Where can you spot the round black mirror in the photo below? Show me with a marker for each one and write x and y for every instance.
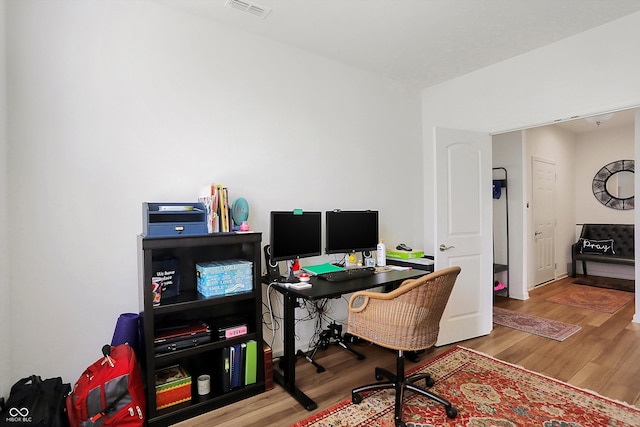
(613, 185)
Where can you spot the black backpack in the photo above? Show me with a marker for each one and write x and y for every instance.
(34, 402)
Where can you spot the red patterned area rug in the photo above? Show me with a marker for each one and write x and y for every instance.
(597, 299)
(486, 392)
(533, 324)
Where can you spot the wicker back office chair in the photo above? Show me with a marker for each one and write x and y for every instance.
(406, 319)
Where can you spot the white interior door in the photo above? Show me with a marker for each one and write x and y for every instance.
(543, 214)
(463, 227)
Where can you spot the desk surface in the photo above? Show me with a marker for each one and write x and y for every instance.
(325, 289)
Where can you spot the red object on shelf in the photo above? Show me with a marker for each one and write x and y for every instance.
(268, 367)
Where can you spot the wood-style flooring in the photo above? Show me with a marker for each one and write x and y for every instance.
(604, 356)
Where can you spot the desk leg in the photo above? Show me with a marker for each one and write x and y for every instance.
(288, 377)
(297, 394)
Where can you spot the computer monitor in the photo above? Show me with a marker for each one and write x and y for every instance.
(294, 235)
(351, 231)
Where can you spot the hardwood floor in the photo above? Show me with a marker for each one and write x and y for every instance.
(604, 356)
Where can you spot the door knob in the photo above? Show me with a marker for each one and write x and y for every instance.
(537, 233)
(445, 248)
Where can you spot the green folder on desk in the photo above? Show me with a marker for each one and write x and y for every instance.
(314, 270)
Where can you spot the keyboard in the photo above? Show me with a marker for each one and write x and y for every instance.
(351, 273)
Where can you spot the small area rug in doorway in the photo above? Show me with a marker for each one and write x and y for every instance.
(533, 324)
(598, 299)
(486, 392)
(606, 282)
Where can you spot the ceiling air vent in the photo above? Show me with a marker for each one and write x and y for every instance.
(249, 7)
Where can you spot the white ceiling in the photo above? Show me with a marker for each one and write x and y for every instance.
(420, 43)
(416, 42)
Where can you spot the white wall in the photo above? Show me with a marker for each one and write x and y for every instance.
(5, 290)
(594, 150)
(550, 83)
(116, 103)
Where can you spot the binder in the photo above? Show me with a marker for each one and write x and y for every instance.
(251, 363)
(237, 365)
(243, 361)
(225, 369)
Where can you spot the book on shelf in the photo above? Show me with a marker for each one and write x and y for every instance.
(227, 210)
(238, 357)
(240, 365)
(215, 222)
(223, 208)
(225, 375)
(210, 203)
(250, 370)
(218, 209)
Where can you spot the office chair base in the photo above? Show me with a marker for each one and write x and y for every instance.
(400, 384)
(400, 387)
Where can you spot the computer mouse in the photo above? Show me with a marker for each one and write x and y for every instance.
(403, 247)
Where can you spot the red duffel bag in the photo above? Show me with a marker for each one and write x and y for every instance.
(109, 392)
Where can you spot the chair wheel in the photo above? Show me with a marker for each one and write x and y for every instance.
(452, 412)
(378, 374)
(430, 382)
(356, 398)
(400, 423)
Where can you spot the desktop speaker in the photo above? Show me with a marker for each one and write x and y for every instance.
(273, 268)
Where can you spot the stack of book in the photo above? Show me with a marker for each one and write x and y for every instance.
(239, 365)
(217, 206)
(181, 337)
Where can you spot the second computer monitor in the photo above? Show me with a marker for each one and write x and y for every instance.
(351, 231)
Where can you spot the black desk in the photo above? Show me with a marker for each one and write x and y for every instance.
(322, 289)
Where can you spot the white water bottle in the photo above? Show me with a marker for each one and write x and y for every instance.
(381, 254)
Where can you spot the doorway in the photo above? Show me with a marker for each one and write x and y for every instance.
(577, 148)
(543, 181)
